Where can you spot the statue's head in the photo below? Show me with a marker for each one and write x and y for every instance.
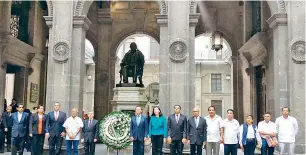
(133, 46)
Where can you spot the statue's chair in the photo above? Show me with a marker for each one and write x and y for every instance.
(133, 71)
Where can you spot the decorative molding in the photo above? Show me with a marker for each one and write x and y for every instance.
(194, 19)
(79, 8)
(277, 19)
(298, 52)
(61, 52)
(163, 7)
(104, 16)
(49, 20)
(50, 7)
(81, 22)
(282, 6)
(162, 20)
(103, 76)
(178, 50)
(193, 7)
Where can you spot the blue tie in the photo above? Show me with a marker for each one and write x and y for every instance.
(138, 120)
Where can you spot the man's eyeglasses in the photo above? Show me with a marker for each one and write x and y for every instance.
(20, 107)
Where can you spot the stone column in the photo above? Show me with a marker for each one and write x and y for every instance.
(5, 16)
(179, 53)
(102, 102)
(59, 56)
(88, 104)
(80, 26)
(279, 92)
(112, 81)
(193, 21)
(296, 33)
(20, 86)
(163, 95)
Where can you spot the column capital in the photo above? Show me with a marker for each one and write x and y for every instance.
(81, 22)
(277, 19)
(162, 20)
(193, 19)
(104, 16)
(49, 21)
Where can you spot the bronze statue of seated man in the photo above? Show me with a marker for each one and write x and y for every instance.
(132, 65)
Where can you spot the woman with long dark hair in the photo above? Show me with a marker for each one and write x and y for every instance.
(157, 131)
(248, 136)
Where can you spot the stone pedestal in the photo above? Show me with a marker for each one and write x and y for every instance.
(127, 98)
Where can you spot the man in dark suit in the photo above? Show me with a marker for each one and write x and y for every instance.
(8, 123)
(196, 132)
(55, 130)
(138, 131)
(2, 135)
(14, 105)
(37, 127)
(19, 129)
(90, 133)
(177, 126)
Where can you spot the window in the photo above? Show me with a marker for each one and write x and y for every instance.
(218, 105)
(216, 85)
(19, 19)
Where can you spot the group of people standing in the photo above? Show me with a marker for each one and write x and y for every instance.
(210, 131)
(54, 126)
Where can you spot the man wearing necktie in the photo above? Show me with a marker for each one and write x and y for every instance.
(196, 132)
(90, 133)
(19, 129)
(177, 125)
(8, 123)
(138, 131)
(55, 130)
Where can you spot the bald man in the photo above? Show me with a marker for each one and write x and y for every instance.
(73, 126)
(196, 132)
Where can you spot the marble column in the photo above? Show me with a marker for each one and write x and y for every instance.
(296, 33)
(102, 101)
(179, 53)
(5, 16)
(163, 94)
(279, 85)
(80, 26)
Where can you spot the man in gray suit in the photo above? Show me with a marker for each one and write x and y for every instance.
(196, 132)
(90, 133)
(177, 126)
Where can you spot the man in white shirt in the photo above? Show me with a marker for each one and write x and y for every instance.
(267, 128)
(214, 125)
(230, 132)
(73, 126)
(287, 128)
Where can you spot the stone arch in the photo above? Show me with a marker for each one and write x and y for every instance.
(93, 40)
(119, 38)
(163, 7)
(82, 7)
(50, 7)
(277, 6)
(193, 7)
